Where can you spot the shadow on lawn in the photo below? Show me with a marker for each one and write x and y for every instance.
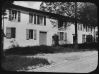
(32, 50)
(14, 63)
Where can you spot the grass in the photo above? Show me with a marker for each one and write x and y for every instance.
(13, 63)
(32, 50)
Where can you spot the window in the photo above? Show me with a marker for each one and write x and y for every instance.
(61, 36)
(10, 32)
(41, 19)
(64, 24)
(14, 15)
(30, 34)
(19, 16)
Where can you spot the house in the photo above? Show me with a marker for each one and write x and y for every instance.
(29, 27)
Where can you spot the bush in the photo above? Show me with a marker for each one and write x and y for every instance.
(30, 50)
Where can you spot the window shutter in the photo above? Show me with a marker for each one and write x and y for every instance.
(27, 34)
(35, 34)
(30, 17)
(65, 36)
(19, 17)
(37, 19)
(45, 20)
(10, 18)
(13, 32)
(59, 35)
(8, 32)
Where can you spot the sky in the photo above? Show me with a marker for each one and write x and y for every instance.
(30, 4)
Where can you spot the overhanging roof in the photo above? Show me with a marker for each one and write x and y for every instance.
(57, 16)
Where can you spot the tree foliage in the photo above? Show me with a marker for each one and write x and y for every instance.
(5, 4)
(87, 12)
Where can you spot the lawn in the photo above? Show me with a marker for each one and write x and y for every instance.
(14, 60)
(15, 63)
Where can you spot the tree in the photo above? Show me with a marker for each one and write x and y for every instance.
(4, 5)
(86, 12)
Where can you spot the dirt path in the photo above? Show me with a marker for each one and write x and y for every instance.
(75, 62)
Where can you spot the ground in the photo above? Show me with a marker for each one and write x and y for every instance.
(73, 62)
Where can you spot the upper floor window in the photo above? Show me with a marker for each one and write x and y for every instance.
(37, 19)
(10, 32)
(62, 24)
(14, 15)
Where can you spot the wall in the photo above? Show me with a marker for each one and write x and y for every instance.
(21, 31)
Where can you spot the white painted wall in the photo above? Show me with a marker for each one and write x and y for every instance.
(24, 24)
(21, 31)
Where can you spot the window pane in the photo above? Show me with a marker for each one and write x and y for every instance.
(37, 19)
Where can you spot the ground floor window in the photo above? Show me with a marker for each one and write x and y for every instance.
(30, 34)
(10, 32)
(62, 35)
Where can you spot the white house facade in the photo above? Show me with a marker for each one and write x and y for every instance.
(29, 27)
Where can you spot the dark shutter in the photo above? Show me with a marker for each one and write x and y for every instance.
(13, 32)
(45, 20)
(38, 19)
(34, 18)
(30, 34)
(19, 17)
(10, 18)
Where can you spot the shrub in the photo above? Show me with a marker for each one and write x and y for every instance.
(30, 50)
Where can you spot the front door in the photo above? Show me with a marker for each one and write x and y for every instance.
(43, 38)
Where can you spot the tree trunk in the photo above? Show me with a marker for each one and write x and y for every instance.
(76, 39)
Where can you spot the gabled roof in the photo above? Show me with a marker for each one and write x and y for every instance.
(57, 16)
